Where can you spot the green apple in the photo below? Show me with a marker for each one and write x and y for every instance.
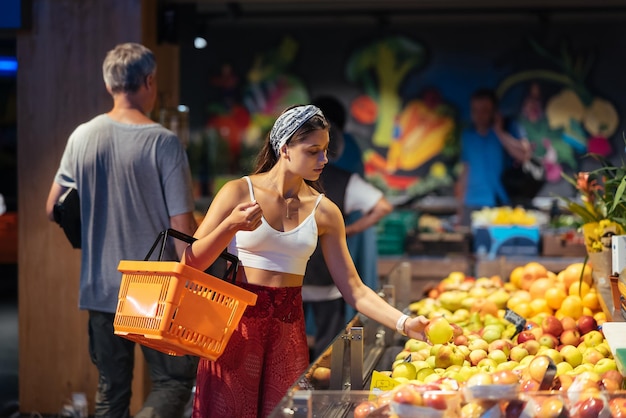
(498, 356)
(404, 370)
(518, 352)
(593, 338)
(414, 345)
(604, 365)
(554, 354)
(507, 365)
(571, 355)
(487, 365)
(439, 330)
(423, 372)
(563, 367)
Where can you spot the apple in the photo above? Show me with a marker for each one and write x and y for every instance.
(617, 406)
(524, 336)
(613, 376)
(480, 379)
(587, 323)
(554, 354)
(439, 330)
(551, 325)
(568, 323)
(604, 365)
(435, 399)
(423, 372)
(563, 367)
(551, 407)
(589, 407)
(592, 356)
(593, 338)
(518, 352)
(507, 365)
(572, 355)
(538, 366)
(478, 344)
(570, 337)
(502, 345)
(461, 340)
(447, 356)
(548, 340)
(532, 346)
(487, 365)
(491, 332)
(456, 330)
(504, 377)
(476, 356)
(414, 345)
(604, 348)
(404, 370)
(498, 356)
(406, 394)
(363, 409)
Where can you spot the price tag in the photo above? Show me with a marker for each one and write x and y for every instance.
(516, 320)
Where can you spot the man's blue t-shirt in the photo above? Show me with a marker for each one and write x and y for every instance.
(485, 159)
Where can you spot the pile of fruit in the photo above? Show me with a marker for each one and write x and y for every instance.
(505, 215)
(531, 346)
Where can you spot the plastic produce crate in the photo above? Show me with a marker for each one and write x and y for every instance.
(177, 309)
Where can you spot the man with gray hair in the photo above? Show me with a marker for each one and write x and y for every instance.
(133, 181)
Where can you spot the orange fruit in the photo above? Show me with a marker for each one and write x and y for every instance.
(555, 296)
(572, 274)
(532, 272)
(591, 301)
(539, 287)
(572, 306)
(516, 276)
(523, 309)
(579, 289)
(540, 305)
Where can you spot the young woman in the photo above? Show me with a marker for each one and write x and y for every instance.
(271, 221)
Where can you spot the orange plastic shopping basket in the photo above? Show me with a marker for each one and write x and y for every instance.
(177, 309)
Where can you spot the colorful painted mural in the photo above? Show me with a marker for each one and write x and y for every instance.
(573, 122)
(409, 135)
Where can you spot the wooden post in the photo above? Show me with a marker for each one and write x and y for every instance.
(60, 86)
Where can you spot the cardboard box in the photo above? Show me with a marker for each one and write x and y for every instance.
(509, 240)
(559, 244)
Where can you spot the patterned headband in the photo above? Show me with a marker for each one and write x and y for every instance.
(289, 122)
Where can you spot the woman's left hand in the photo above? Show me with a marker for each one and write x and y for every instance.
(414, 327)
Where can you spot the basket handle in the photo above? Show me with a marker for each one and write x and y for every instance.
(231, 272)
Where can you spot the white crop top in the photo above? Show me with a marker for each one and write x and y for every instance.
(268, 249)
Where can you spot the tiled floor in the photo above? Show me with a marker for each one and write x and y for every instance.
(8, 341)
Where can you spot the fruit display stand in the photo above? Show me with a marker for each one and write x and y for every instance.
(481, 359)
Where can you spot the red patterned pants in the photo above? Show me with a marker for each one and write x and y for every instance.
(266, 354)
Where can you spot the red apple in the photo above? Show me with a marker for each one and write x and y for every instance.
(551, 325)
(589, 408)
(587, 323)
(436, 400)
(408, 395)
(363, 409)
(525, 336)
(617, 407)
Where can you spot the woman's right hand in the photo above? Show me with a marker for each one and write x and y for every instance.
(246, 216)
